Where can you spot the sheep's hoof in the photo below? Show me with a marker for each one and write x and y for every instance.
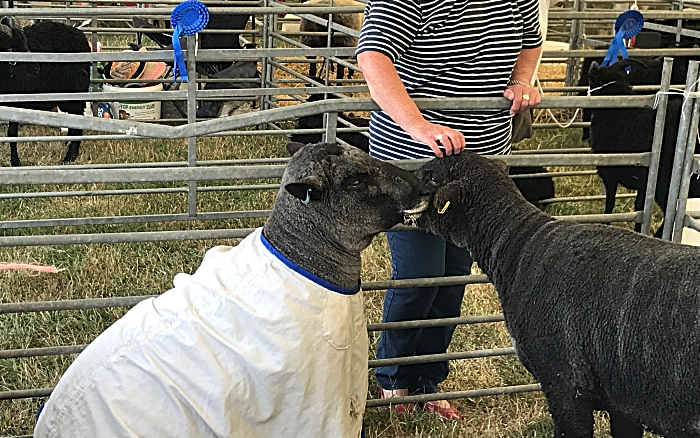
(69, 158)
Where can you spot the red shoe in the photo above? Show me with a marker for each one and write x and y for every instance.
(401, 408)
(448, 412)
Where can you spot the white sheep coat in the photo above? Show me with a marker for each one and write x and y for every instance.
(250, 345)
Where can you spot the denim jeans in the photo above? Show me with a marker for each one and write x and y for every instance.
(417, 254)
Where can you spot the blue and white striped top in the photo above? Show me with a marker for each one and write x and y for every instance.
(449, 48)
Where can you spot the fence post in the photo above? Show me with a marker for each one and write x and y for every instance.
(191, 119)
(653, 172)
(674, 189)
(330, 121)
(686, 174)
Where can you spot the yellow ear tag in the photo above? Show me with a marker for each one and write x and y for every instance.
(444, 208)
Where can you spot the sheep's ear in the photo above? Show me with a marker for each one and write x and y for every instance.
(307, 188)
(594, 66)
(293, 147)
(449, 194)
(500, 164)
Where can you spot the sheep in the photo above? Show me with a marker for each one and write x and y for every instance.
(315, 121)
(631, 130)
(353, 21)
(265, 339)
(44, 77)
(604, 318)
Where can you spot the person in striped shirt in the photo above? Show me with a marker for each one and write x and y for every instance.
(439, 49)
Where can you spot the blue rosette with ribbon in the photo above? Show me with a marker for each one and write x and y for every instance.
(188, 18)
(627, 25)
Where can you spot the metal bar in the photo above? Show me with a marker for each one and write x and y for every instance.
(674, 188)
(113, 220)
(154, 236)
(423, 323)
(108, 12)
(134, 191)
(453, 395)
(99, 303)
(166, 236)
(330, 120)
(656, 145)
(430, 358)
(692, 223)
(191, 119)
(295, 111)
(25, 393)
(40, 352)
(68, 176)
(687, 173)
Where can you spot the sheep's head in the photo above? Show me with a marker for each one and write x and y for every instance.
(11, 39)
(347, 194)
(610, 80)
(458, 184)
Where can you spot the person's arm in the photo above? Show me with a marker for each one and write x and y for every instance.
(387, 89)
(523, 72)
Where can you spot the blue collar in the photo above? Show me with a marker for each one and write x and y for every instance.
(303, 272)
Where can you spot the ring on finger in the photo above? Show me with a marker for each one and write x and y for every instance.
(438, 137)
(526, 97)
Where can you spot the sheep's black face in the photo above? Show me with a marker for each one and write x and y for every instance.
(455, 183)
(352, 195)
(610, 80)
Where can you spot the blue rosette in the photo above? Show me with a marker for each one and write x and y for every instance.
(188, 18)
(627, 25)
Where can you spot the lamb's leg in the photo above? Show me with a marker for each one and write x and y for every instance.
(572, 412)
(639, 205)
(312, 66)
(610, 185)
(622, 427)
(12, 131)
(73, 146)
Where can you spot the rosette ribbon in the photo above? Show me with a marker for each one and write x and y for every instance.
(627, 25)
(188, 18)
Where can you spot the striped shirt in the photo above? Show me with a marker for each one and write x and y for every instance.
(449, 48)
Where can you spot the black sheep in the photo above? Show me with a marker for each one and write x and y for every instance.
(604, 318)
(315, 121)
(619, 130)
(44, 77)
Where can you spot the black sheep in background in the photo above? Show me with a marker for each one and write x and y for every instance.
(357, 139)
(533, 189)
(602, 317)
(647, 71)
(619, 130)
(44, 77)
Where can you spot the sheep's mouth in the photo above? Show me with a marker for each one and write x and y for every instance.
(411, 215)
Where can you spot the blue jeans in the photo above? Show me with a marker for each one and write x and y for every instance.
(417, 254)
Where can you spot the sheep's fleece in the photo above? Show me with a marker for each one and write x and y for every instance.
(249, 346)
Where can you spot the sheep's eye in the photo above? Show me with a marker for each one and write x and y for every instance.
(355, 183)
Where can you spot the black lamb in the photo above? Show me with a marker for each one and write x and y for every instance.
(618, 130)
(44, 77)
(604, 318)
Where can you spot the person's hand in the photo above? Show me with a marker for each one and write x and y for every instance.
(434, 135)
(523, 96)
